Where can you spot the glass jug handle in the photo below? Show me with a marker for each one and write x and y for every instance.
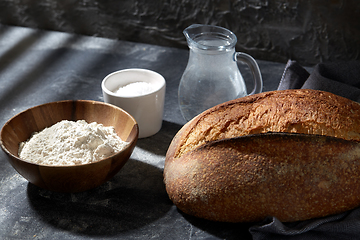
(255, 70)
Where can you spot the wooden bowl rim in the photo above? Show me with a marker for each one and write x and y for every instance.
(134, 140)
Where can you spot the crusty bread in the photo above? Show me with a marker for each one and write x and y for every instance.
(293, 154)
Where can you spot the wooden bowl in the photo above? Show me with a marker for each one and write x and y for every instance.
(68, 178)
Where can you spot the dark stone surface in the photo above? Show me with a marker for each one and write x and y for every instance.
(307, 31)
(42, 66)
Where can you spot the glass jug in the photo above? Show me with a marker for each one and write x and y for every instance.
(212, 76)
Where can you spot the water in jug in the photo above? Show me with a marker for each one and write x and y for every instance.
(212, 75)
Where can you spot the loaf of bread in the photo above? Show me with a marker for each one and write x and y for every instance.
(292, 154)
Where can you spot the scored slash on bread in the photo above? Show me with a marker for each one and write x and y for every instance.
(292, 154)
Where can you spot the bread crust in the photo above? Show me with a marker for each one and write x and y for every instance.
(292, 154)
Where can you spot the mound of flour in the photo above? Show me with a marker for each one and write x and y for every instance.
(135, 89)
(71, 143)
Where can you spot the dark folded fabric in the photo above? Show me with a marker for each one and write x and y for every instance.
(342, 226)
(343, 79)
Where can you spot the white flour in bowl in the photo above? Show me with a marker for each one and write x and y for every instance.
(71, 143)
(135, 89)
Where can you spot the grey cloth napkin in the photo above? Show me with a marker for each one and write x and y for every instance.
(341, 78)
(345, 226)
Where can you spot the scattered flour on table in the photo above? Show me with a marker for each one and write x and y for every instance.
(71, 143)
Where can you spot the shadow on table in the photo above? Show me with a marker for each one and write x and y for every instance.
(222, 230)
(135, 197)
(159, 143)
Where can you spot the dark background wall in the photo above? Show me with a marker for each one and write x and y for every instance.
(277, 30)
